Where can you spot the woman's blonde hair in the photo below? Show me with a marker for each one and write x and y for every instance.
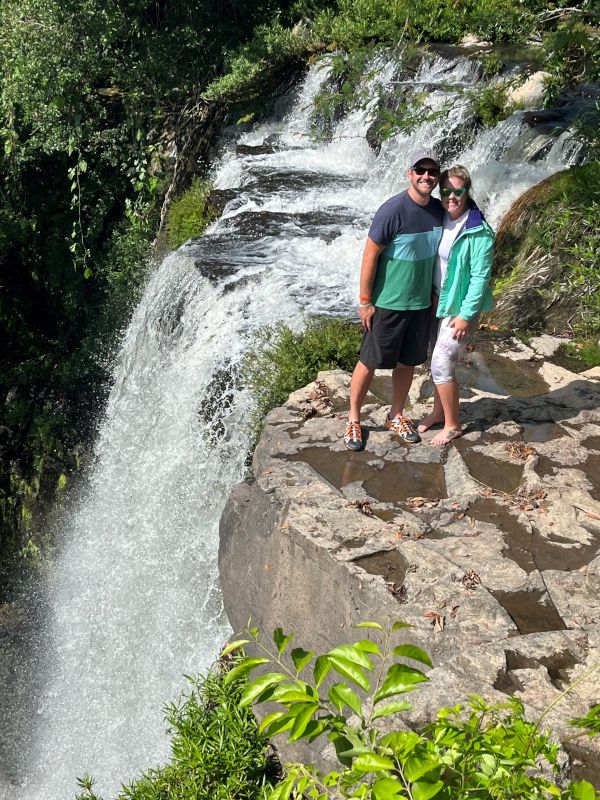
(457, 171)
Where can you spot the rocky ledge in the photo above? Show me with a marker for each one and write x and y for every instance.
(488, 547)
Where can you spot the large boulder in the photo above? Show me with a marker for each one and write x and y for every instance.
(489, 548)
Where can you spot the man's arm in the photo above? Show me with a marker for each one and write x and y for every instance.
(367, 277)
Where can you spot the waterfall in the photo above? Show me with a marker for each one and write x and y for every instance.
(133, 598)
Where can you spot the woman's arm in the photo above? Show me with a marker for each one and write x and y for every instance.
(481, 254)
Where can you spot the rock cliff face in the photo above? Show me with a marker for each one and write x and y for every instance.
(489, 547)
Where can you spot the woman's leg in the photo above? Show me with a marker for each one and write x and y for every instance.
(443, 368)
(437, 413)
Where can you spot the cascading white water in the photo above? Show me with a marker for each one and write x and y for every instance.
(134, 599)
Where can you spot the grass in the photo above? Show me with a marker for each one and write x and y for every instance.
(549, 243)
(190, 214)
(281, 361)
(217, 751)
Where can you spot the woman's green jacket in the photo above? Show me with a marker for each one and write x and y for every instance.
(466, 290)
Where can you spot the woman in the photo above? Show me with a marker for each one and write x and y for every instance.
(462, 282)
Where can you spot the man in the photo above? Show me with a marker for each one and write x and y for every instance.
(395, 295)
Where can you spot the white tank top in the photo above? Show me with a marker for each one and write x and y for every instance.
(450, 231)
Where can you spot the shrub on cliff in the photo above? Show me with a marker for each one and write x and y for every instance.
(217, 751)
(547, 260)
(483, 750)
(281, 361)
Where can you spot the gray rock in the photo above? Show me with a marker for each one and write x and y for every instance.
(489, 547)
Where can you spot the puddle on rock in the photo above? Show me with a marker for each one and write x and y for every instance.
(396, 481)
(542, 431)
(502, 476)
(533, 551)
(592, 473)
(559, 666)
(387, 515)
(400, 480)
(528, 613)
(337, 467)
(592, 443)
(390, 564)
(490, 372)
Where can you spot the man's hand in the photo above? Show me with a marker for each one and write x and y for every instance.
(461, 327)
(366, 316)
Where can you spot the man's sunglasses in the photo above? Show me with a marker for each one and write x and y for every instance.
(433, 171)
(448, 190)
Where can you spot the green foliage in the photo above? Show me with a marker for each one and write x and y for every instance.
(590, 724)
(359, 21)
(488, 751)
(217, 752)
(281, 361)
(572, 52)
(190, 214)
(489, 104)
(249, 67)
(559, 224)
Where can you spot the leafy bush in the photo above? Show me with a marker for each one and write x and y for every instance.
(190, 214)
(217, 751)
(281, 361)
(490, 752)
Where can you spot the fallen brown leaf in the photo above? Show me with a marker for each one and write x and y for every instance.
(438, 620)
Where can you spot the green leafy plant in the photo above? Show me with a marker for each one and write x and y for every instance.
(281, 361)
(217, 751)
(190, 214)
(485, 751)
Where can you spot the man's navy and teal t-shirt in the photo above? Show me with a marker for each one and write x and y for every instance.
(411, 234)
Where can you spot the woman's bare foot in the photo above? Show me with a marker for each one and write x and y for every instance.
(435, 418)
(446, 436)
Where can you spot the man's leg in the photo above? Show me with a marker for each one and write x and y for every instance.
(402, 377)
(359, 386)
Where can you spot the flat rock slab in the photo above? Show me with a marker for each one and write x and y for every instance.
(489, 547)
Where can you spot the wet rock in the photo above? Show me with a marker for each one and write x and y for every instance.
(530, 93)
(492, 555)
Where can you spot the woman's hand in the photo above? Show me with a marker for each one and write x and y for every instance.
(366, 316)
(461, 327)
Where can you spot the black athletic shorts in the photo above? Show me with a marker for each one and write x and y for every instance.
(396, 337)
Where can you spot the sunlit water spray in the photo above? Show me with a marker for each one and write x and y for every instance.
(133, 601)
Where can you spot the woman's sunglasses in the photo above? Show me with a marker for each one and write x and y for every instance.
(448, 190)
(433, 171)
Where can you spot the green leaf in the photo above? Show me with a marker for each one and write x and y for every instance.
(417, 766)
(281, 640)
(242, 669)
(320, 669)
(301, 657)
(399, 679)
(372, 762)
(233, 646)
(423, 791)
(414, 652)
(341, 695)
(375, 625)
(275, 715)
(253, 691)
(367, 646)
(351, 653)
(391, 708)
(302, 717)
(87, 273)
(284, 723)
(350, 670)
(287, 696)
(387, 789)
(397, 626)
(583, 791)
